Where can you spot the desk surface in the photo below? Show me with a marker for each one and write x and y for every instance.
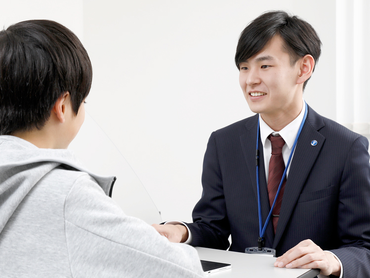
(255, 265)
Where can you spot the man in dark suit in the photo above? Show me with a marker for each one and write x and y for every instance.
(321, 215)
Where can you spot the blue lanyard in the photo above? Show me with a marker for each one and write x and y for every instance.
(262, 230)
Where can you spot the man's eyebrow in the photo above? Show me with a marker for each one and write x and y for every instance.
(264, 58)
(261, 59)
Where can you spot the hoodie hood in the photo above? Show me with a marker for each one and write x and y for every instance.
(22, 165)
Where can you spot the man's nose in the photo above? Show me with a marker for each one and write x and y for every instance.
(253, 77)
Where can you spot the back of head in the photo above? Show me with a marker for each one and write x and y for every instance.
(299, 37)
(39, 61)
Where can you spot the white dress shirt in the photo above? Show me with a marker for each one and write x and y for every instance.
(288, 133)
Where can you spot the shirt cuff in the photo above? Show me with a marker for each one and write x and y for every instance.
(188, 240)
(341, 266)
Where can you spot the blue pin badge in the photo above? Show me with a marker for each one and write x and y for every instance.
(313, 143)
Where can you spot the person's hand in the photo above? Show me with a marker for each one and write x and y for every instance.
(175, 233)
(307, 254)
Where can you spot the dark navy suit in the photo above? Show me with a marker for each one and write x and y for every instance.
(326, 198)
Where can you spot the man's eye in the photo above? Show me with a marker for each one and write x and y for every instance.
(243, 68)
(265, 66)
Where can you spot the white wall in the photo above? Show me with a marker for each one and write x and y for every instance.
(67, 12)
(353, 44)
(164, 79)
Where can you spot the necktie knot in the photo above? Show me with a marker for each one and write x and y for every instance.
(277, 143)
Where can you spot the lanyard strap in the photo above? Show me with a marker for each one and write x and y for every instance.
(262, 230)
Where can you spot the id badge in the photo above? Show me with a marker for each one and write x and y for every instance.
(260, 251)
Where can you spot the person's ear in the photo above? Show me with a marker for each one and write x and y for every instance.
(60, 107)
(306, 66)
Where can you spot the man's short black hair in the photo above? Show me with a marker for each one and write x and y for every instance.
(39, 61)
(299, 37)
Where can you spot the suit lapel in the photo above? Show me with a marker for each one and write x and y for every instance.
(248, 143)
(304, 158)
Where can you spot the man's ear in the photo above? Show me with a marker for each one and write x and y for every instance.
(60, 107)
(306, 66)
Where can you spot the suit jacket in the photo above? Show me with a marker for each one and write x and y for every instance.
(326, 198)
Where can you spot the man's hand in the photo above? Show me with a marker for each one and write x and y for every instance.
(175, 233)
(307, 254)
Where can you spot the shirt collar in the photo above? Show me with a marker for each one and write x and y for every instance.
(288, 133)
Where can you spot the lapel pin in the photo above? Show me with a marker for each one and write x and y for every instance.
(313, 143)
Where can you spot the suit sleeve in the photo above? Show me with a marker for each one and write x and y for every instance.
(210, 227)
(354, 212)
(104, 242)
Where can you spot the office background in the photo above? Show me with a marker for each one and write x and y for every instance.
(165, 78)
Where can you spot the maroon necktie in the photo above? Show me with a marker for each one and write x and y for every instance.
(276, 170)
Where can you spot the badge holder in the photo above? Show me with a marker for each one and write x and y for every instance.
(261, 250)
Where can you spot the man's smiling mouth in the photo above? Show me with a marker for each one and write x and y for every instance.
(257, 94)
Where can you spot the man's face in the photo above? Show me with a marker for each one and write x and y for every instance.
(269, 82)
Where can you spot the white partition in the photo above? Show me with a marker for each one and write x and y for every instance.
(99, 155)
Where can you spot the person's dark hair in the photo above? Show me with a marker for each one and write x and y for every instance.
(299, 37)
(40, 60)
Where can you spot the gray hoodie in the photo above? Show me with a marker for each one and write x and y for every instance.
(56, 220)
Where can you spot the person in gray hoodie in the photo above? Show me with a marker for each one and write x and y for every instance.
(57, 219)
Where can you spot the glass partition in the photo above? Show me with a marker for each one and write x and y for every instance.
(99, 155)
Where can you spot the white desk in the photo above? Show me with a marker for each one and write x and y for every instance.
(247, 265)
